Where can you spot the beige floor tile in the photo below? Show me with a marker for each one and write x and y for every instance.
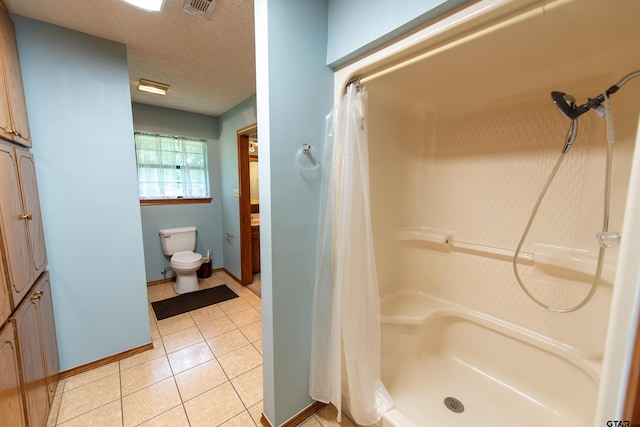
(109, 415)
(254, 301)
(174, 324)
(242, 291)
(253, 331)
(149, 402)
(243, 419)
(206, 314)
(89, 376)
(234, 305)
(156, 352)
(55, 408)
(144, 374)
(245, 317)
(155, 332)
(240, 361)
(160, 292)
(175, 417)
(234, 286)
(152, 314)
(189, 368)
(214, 407)
(182, 339)
(310, 422)
(249, 386)
(200, 379)
(225, 343)
(88, 397)
(189, 357)
(256, 412)
(327, 417)
(60, 387)
(216, 327)
(258, 346)
(224, 277)
(210, 282)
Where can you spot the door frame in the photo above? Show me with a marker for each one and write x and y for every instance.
(244, 201)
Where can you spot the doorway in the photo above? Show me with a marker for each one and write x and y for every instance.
(249, 203)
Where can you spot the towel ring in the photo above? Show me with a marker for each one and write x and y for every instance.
(307, 157)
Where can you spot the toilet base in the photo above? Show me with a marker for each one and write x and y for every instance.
(186, 282)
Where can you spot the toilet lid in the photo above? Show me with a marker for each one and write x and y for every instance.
(186, 256)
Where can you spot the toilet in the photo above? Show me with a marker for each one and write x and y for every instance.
(180, 243)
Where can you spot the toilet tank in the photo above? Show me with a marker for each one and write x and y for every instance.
(178, 239)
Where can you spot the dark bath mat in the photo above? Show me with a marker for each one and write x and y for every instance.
(191, 301)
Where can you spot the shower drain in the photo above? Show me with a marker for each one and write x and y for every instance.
(453, 404)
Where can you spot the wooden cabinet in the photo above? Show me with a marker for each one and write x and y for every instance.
(34, 378)
(5, 300)
(10, 395)
(14, 124)
(31, 208)
(42, 291)
(20, 221)
(37, 351)
(29, 363)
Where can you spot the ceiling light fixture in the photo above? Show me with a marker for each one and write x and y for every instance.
(153, 87)
(150, 5)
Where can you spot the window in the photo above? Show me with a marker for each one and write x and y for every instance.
(171, 168)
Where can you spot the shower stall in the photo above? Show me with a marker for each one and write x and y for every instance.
(463, 135)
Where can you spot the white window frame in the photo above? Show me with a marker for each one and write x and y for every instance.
(171, 168)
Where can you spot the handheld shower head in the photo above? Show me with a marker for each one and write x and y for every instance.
(566, 104)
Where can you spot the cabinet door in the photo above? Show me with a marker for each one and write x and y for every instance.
(48, 333)
(13, 226)
(32, 365)
(14, 90)
(31, 207)
(5, 304)
(6, 125)
(10, 396)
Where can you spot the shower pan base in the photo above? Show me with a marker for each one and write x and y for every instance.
(501, 373)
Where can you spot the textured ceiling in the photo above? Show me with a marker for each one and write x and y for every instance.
(209, 64)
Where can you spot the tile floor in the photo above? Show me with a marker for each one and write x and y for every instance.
(205, 370)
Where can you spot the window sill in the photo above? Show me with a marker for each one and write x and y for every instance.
(152, 202)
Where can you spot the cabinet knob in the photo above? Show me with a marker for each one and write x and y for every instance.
(26, 216)
(15, 132)
(37, 295)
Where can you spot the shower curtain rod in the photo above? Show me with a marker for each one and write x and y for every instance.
(432, 51)
(356, 81)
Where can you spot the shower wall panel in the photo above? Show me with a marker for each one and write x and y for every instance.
(479, 176)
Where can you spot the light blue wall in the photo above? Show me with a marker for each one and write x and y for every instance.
(240, 116)
(206, 216)
(358, 26)
(294, 93)
(79, 106)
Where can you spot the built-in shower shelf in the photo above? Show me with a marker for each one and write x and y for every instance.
(424, 234)
(578, 261)
(408, 307)
(555, 260)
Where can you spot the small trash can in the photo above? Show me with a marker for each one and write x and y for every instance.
(205, 270)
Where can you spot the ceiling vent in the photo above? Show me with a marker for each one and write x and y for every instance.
(201, 8)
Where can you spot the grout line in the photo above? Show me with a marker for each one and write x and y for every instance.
(121, 397)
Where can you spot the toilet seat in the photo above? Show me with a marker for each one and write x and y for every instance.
(186, 260)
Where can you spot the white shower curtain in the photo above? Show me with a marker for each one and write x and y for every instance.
(345, 350)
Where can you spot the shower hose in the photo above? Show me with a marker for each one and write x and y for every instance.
(571, 136)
